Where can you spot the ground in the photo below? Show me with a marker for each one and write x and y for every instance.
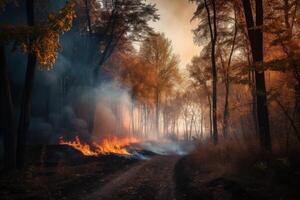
(168, 177)
(108, 177)
(275, 178)
(151, 179)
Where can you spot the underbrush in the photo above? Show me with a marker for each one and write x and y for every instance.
(238, 169)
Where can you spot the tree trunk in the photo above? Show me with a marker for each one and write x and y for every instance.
(256, 40)
(25, 109)
(201, 121)
(132, 118)
(226, 110)
(213, 37)
(254, 104)
(157, 113)
(7, 115)
(87, 12)
(227, 80)
(210, 116)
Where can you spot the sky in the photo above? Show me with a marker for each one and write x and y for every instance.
(175, 22)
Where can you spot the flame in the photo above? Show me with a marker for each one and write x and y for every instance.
(111, 145)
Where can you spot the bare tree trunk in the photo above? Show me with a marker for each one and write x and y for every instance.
(210, 119)
(132, 131)
(7, 115)
(213, 37)
(25, 111)
(201, 121)
(210, 112)
(157, 110)
(256, 40)
(145, 119)
(226, 111)
(227, 80)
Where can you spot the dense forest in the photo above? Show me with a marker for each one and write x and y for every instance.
(96, 103)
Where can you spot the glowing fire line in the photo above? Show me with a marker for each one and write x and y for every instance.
(112, 145)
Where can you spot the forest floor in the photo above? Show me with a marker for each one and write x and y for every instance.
(168, 177)
(99, 180)
(147, 180)
(108, 177)
(215, 174)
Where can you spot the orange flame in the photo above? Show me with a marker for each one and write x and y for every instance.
(112, 145)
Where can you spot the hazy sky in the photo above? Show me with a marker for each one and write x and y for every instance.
(175, 16)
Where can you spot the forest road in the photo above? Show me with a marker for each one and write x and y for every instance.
(146, 180)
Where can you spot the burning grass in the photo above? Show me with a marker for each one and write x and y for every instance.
(111, 145)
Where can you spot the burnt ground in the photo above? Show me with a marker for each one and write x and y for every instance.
(60, 172)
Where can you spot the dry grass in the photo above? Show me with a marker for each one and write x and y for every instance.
(231, 156)
(239, 169)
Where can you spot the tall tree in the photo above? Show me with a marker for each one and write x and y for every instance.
(7, 115)
(226, 57)
(41, 43)
(25, 109)
(208, 9)
(157, 52)
(255, 34)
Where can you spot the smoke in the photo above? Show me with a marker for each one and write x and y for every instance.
(165, 146)
(62, 96)
(112, 113)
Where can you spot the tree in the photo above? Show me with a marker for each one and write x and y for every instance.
(200, 73)
(156, 51)
(119, 21)
(281, 29)
(24, 120)
(208, 9)
(41, 43)
(7, 115)
(227, 43)
(255, 35)
(126, 66)
(122, 20)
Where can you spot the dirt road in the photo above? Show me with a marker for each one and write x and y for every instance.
(147, 180)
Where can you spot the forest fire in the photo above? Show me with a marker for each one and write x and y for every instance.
(111, 145)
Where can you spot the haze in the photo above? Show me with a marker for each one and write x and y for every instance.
(175, 16)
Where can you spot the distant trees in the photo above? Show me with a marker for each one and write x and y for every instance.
(156, 52)
(118, 22)
(151, 75)
(200, 74)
